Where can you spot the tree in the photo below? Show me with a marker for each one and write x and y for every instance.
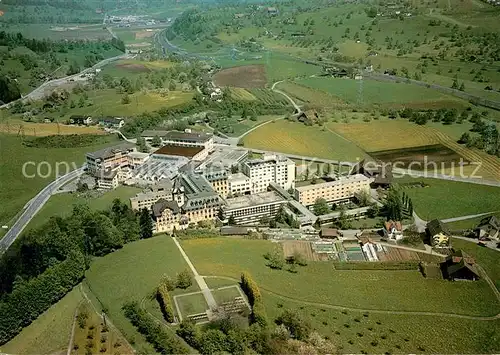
(275, 258)
(321, 207)
(9, 90)
(298, 327)
(184, 279)
(141, 144)
(393, 204)
(145, 224)
(363, 198)
(125, 99)
(373, 211)
(156, 141)
(464, 138)
(462, 87)
(231, 221)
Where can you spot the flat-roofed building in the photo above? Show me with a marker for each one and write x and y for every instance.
(239, 184)
(109, 158)
(271, 168)
(193, 153)
(250, 209)
(159, 167)
(136, 159)
(182, 139)
(339, 190)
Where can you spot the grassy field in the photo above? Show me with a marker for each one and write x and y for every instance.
(372, 137)
(297, 138)
(16, 189)
(319, 282)
(375, 92)
(447, 199)
(234, 126)
(467, 223)
(364, 332)
(61, 204)
(132, 273)
(50, 332)
(192, 304)
(108, 103)
(485, 257)
(131, 67)
(45, 129)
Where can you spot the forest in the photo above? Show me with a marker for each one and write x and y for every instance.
(46, 263)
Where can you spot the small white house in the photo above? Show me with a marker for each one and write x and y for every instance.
(393, 230)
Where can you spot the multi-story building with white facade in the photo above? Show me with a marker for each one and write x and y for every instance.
(136, 159)
(271, 168)
(161, 190)
(239, 184)
(250, 209)
(339, 190)
(109, 158)
(193, 200)
(182, 139)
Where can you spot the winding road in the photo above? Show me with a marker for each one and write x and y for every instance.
(33, 206)
(42, 90)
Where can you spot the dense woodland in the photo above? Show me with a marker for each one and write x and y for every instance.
(45, 263)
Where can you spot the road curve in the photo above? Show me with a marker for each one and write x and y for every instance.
(295, 106)
(32, 207)
(39, 92)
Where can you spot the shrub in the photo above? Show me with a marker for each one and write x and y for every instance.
(250, 288)
(165, 302)
(162, 340)
(184, 279)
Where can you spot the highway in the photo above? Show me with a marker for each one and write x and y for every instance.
(32, 207)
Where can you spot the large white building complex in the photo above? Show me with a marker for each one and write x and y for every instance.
(271, 168)
(342, 189)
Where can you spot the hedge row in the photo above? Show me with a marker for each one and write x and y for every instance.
(385, 265)
(250, 288)
(165, 302)
(162, 340)
(30, 299)
(252, 291)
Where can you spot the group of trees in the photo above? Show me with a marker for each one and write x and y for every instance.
(397, 204)
(45, 263)
(9, 90)
(487, 137)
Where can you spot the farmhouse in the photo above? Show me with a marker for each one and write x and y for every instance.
(80, 120)
(112, 122)
(308, 117)
(250, 209)
(489, 227)
(381, 174)
(438, 233)
(459, 266)
(393, 230)
(339, 190)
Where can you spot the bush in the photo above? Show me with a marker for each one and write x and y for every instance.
(165, 302)
(250, 288)
(184, 279)
(66, 141)
(162, 340)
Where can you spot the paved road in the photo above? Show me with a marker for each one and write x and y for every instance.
(433, 175)
(273, 88)
(32, 207)
(462, 218)
(41, 91)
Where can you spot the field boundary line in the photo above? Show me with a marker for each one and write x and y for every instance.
(380, 311)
